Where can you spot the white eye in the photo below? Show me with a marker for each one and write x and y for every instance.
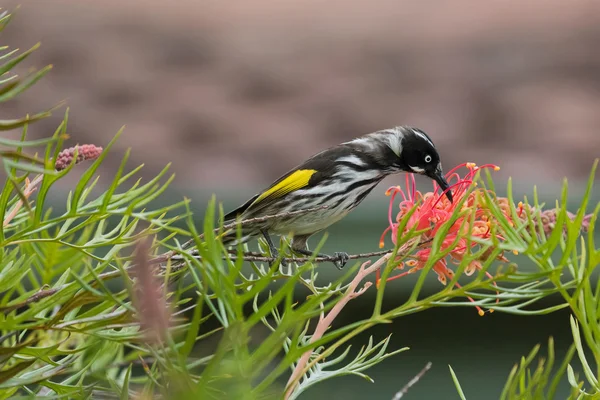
(427, 158)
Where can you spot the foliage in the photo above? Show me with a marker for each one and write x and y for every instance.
(571, 261)
(113, 297)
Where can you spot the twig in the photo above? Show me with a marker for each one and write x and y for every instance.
(31, 299)
(255, 256)
(121, 364)
(8, 336)
(412, 382)
(258, 257)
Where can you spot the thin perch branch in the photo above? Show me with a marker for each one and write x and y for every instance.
(37, 296)
(255, 256)
(412, 382)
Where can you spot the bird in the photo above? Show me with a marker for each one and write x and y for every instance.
(331, 184)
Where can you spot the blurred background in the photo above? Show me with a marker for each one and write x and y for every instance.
(234, 94)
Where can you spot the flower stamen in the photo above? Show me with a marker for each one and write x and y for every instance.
(433, 210)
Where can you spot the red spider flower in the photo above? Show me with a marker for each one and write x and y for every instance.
(433, 210)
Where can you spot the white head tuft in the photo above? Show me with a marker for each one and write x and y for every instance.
(393, 138)
(419, 133)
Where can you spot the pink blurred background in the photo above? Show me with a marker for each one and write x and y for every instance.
(236, 93)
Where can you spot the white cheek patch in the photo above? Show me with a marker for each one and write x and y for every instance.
(395, 142)
(416, 169)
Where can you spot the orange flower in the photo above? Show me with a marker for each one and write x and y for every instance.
(433, 210)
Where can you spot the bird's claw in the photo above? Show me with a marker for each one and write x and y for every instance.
(282, 261)
(275, 254)
(342, 259)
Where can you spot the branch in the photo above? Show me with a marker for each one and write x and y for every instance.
(37, 296)
(255, 256)
(412, 382)
(258, 257)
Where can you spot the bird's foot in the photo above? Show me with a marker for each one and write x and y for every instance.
(273, 250)
(342, 259)
(282, 261)
(339, 258)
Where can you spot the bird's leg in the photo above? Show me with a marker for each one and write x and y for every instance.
(272, 248)
(300, 246)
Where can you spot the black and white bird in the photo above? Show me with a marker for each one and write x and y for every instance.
(334, 182)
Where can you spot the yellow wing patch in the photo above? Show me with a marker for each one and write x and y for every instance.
(296, 180)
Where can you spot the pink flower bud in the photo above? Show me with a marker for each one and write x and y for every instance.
(84, 152)
(548, 219)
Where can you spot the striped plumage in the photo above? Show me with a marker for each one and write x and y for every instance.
(340, 178)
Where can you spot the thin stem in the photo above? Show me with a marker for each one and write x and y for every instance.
(326, 321)
(255, 256)
(37, 296)
(412, 382)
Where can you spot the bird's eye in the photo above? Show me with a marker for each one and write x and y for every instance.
(427, 158)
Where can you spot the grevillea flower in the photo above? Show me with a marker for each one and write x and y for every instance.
(84, 152)
(433, 209)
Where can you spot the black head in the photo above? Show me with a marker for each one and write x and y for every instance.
(420, 156)
(405, 149)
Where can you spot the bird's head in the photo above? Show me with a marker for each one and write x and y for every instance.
(411, 150)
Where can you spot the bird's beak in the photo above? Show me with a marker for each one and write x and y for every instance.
(438, 176)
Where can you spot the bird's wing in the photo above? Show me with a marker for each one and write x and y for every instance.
(308, 174)
(292, 181)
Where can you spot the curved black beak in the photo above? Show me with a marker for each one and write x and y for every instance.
(438, 176)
